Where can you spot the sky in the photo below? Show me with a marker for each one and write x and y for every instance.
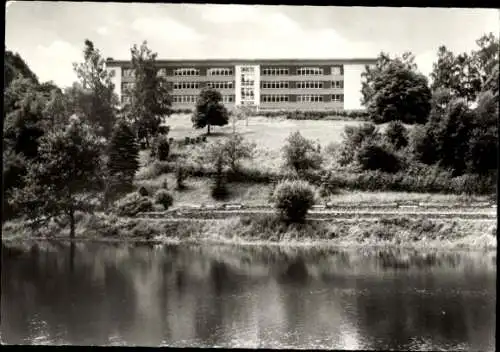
(50, 35)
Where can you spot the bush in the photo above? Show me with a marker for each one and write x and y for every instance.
(236, 148)
(377, 157)
(143, 191)
(396, 134)
(293, 199)
(181, 173)
(132, 204)
(219, 189)
(353, 138)
(164, 198)
(186, 140)
(161, 148)
(164, 130)
(300, 153)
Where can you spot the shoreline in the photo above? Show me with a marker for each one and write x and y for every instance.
(386, 232)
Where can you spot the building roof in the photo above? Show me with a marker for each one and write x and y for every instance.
(283, 61)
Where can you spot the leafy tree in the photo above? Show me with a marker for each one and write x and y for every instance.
(399, 94)
(15, 67)
(95, 99)
(300, 153)
(373, 156)
(123, 159)
(209, 110)
(396, 134)
(459, 74)
(483, 143)
(370, 73)
(160, 148)
(354, 137)
(58, 109)
(66, 176)
(293, 199)
(164, 198)
(487, 58)
(236, 148)
(150, 99)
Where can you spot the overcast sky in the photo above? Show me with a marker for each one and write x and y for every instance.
(50, 35)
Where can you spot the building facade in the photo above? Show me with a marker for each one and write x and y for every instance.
(264, 84)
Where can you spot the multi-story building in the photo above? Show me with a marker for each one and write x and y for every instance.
(266, 84)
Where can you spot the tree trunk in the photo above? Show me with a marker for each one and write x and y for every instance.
(208, 132)
(71, 215)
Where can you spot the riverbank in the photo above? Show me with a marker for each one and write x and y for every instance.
(384, 231)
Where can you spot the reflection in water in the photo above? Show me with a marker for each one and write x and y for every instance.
(95, 294)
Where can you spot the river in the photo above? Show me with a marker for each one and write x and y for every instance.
(247, 296)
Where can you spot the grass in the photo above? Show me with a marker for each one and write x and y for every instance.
(267, 229)
(267, 133)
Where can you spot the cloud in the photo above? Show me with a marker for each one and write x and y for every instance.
(164, 28)
(55, 62)
(102, 30)
(229, 13)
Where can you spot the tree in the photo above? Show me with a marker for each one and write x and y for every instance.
(459, 74)
(123, 159)
(399, 94)
(95, 98)
(150, 100)
(487, 58)
(235, 149)
(66, 176)
(15, 67)
(368, 89)
(300, 153)
(354, 137)
(209, 110)
(396, 134)
(293, 199)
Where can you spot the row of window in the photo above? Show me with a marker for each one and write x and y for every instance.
(186, 85)
(220, 85)
(220, 72)
(274, 98)
(302, 71)
(193, 98)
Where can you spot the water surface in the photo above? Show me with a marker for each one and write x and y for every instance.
(255, 297)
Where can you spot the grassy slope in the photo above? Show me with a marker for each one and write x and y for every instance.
(267, 229)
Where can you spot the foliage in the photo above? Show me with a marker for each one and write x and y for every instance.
(372, 72)
(423, 144)
(399, 93)
(132, 204)
(300, 153)
(143, 192)
(160, 148)
(164, 198)
(373, 156)
(95, 99)
(236, 148)
(293, 199)
(150, 99)
(123, 152)
(210, 111)
(353, 138)
(181, 174)
(15, 67)
(66, 175)
(396, 134)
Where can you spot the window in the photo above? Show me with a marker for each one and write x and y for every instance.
(220, 72)
(247, 92)
(274, 98)
(227, 98)
(275, 85)
(309, 98)
(309, 71)
(128, 72)
(306, 84)
(338, 97)
(275, 71)
(184, 99)
(128, 86)
(247, 82)
(337, 84)
(337, 70)
(220, 85)
(247, 69)
(186, 85)
(186, 72)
